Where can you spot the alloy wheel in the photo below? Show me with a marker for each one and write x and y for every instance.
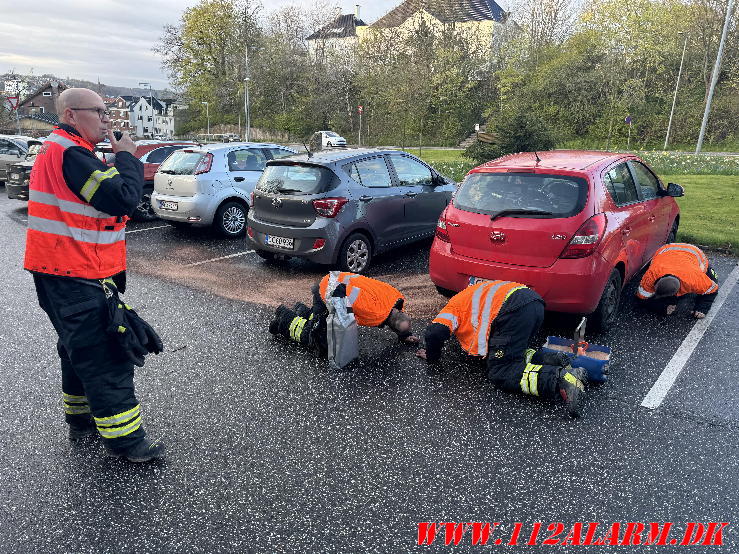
(234, 220)
(357, 256)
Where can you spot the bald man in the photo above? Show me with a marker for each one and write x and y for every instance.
(76, 251)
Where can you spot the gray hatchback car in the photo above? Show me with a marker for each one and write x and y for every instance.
(342, 208)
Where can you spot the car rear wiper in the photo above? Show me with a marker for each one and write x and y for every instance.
(288, 190)
(504, 213)
(167, 171)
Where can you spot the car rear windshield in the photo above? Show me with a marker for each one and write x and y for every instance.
(295, 179)
(524, 194)
(181, 162)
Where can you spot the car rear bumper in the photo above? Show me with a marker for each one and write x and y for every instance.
(303, 237)
(190, 209)
(14, 190)
(572, 286)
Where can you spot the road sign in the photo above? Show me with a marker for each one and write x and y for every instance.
(13, 101)
(360, 109)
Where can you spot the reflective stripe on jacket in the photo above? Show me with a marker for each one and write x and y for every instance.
(471, 312)
(67, 236)
(370, 299)
(686, 262)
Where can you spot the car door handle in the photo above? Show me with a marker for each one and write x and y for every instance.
(626, 231)
(366, 198)
(411, 194)
(239, 179)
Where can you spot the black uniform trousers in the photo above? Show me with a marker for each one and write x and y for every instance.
(304, 325)
(703, 302)
(97, 379)
(507, 365)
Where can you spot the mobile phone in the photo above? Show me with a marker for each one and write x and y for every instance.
(118, 135)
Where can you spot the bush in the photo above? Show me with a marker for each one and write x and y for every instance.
(523, 132)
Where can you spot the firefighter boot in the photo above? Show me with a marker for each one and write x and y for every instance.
(301, 310)
(143, 451)
(82, 428)
(274, 325)
(571, 384)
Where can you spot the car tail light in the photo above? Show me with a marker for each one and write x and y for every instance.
(441, 232)
(329, 207)
(204, 164)
(250, 232)
(586, 239)
(318, 244)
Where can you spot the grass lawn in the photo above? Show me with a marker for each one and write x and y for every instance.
(709, 211)
(437, 156)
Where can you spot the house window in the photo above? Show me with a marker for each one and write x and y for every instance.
(47, 93)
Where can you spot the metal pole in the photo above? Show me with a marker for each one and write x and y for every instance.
(674, 98)
(207, 115)
(360, 129)
(714, 78)
(246, 98)
(151, 100)
(628, 142)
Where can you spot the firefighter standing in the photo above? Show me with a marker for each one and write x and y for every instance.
(374, 304)
(678, 269)
(497, 319)
(77, 213)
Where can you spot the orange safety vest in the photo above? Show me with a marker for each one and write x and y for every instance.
(686, 262)
(67, 236)
(470, 313)
(371, 300)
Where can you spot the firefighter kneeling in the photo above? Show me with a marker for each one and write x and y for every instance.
(374, 304)
(497, 319)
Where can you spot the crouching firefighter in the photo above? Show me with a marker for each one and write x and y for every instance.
(497, 319)
(678, 269)
(374, 304)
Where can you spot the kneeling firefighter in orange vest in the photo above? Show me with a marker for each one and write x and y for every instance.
(374, 304)
(76, 251)
(496, 320)
(678, 269)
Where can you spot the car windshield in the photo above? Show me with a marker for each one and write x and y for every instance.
(522, 194)
(331, 134)
(181, 162)
(294, 179)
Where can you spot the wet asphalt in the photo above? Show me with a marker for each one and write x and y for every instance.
(272, 451)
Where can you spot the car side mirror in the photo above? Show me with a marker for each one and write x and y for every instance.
(437, 180)
(675, 190)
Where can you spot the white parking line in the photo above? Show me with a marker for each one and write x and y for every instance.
(221, 258)
(664, 383)
(147, 229)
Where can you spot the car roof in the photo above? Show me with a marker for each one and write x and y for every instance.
(578, 160)
(228, 145)
(335, 156)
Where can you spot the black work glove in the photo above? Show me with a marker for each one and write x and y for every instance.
(147, 336)
(120, 330)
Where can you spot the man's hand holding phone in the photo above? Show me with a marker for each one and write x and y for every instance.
(121, 142)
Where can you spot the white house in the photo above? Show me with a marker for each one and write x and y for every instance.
(149, 120)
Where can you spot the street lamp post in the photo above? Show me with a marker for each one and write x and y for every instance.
(674, 98)
(714, 78)
(207, 115)
(247, 105)
(151, 103)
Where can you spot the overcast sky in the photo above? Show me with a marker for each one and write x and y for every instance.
(110, 40)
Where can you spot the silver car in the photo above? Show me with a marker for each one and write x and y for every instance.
(212, 184)
(344, 207)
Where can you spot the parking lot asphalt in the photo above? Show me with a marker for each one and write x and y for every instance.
(271, 451)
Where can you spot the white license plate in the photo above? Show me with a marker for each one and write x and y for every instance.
(279, 242)
(167, 205)
(15, 176)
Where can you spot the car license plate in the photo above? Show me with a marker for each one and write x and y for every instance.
(167, 205)
(279, 242)
(15, 176)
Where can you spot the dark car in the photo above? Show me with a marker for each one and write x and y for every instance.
(19, 174)
(344, 207)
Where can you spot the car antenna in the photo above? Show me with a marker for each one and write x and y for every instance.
(538, 159)
(310, 154)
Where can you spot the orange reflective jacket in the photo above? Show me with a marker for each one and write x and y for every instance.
(370, 299)
(686, 262)
(67, 236)
(470, 313)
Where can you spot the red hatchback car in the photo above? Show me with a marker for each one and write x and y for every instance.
(573, 225)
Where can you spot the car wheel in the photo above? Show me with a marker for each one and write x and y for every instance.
(329, 145)
(445, 292)
(144, 211)
(231, 219)
(355, 254)
(605, 314)
(673, 233)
